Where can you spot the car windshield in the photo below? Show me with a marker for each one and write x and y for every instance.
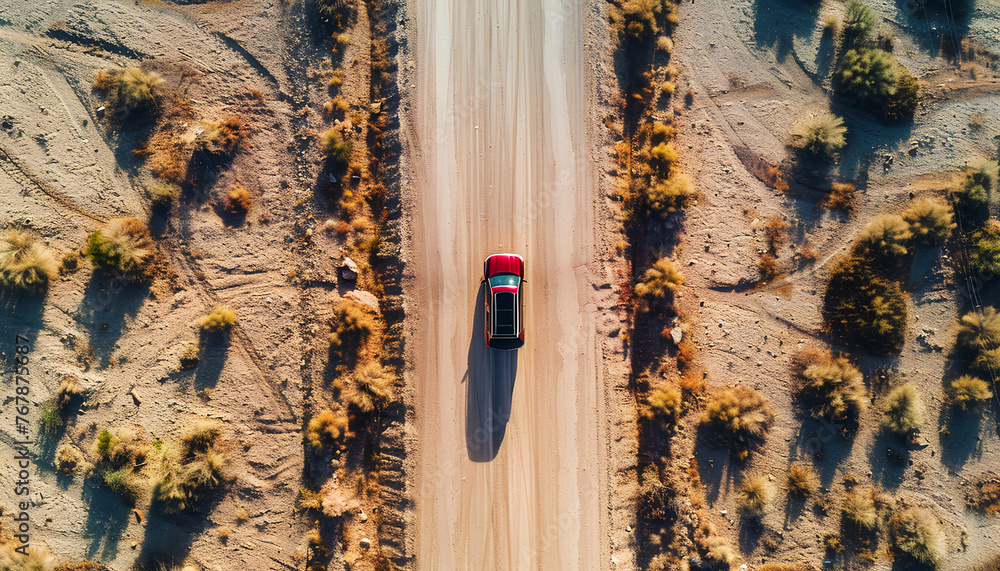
(504, 280)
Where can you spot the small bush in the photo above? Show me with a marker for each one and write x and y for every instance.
(902, 103)
(104, 442)
(979, 331)
(830, 386)
(68, 459)
(325, 428)
(987, 361)
(972, 198)
(983, 494)
(654, 497)
(70, 262)
(670, 195)
(663, 157)
(968, 393)
(69, 389)
(30, 559)
(50, 417)
(220, 320)
(659, 283)
(740, 417)
(197, 469)
(238, 200)
(884, 240)
(821, 135)
(122, 482)
(917, 535)
(124, 245)
(190, 356)
(373, 388)
(859, 508)
(841, 197)
(802, 479)
(753, 495)
(866, 78)
(863, 309)
(768, 266)
(129, 89)
(335, 147)
(661, 132)
(201, 436)
(904, 410)
(929, 220)
(162, 194)
(859, 23)
(221, 137)
(663, 405)
(831, 24)
(984, 253)
(352, 323)
(665, 44)
(25, 264)
(638, 18)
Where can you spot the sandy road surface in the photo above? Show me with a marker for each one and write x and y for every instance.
(498, 155)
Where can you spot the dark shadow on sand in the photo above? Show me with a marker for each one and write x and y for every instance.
(490, 387)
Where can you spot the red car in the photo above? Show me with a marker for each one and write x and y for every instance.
(503, 275)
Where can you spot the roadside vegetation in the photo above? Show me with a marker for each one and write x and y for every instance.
(26, 265)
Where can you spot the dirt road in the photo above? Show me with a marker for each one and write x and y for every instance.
(498, 152)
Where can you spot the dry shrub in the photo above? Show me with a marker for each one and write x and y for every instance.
(930, 221)
(661, 132)
(860, 508)
(25, 263)
(904, 410)
(129, 89)
(220, 320)
(831, 387)
(983, 494)
(885, 240)
(667, 88)
(372, 389)
(663, 405)
(188, 475)
(162, 194)
(740, 417)
(221, 137)
(353, 324)
(37, 558)
(325, 428)
(972, 198)
(335, 147)
(753, 494)
(775, 233)
(637, 19)
(663, 157)
(968, 393)
(917, 535)
(687, 352)
(123, 246)
(768, 266)
(670, 195)
(238, 200)
(665, 44)
(841, 197)
(190, 356)
(68, 459)
(984, 254)
(987, 361)
(802, 479)
(69, 389)
(864, 309)
(660, 282)
(655, 499)
(979, 330)
(820, 135)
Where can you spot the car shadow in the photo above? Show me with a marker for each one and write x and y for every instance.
(489, 390)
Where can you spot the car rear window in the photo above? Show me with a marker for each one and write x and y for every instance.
(504, 280)
(504, 318)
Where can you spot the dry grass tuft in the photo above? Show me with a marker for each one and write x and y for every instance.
(123, 246)
(968, 393)
(325, 428)
(25, 263)
(983, 494)
(830, 386)
(221, 137)
(860, 509)
(917, 535)
(930, 221)
(220, 320)
(753, 495)
(841, 197)
(740, 417)
(660, 282)
(129, 89)
(372, 389)
(663, 405)
(904, 410)
(802, 479)
(238, 200)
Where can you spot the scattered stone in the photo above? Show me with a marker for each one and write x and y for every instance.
(363, 516)
(349, 270)
(365, 543)
(100, 111)
(676, 335)
(724, 512)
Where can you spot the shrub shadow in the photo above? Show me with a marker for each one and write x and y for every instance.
(714, 465)
(489, 391)
(108, 305)
(822, 443)
(889, 458)
(172, 538)
(214, 351)
(107, 519)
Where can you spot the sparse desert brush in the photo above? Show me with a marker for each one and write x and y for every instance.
(335, 147)
(753, 495)
(186, 476)
(325, 428)
(221, 137)
(663, 157)
(105, 440)
(821, 135)
(69, 389)
(866, 78)
(860, 508)
(220, 320)
(654, 498)
(372, 388)
(162, 194)
(979, 331)
(902, 103)
(917, 535)
(987, 361)
(658, 286)
(983, 494)
(841, 197)
(661, 132)
(663, 405)
(930, 221)
(831, 387)
(984, 251)
(68, 459)
(123, 482)
(667, 88)
(768, 266)
(637, 19)
(353, 323)
(721, 553)
(862, 308)
(885, 240)
(50, 418)
(128, 89)
(670, 195)
(37, 558)
(968, 393)
(201, 435)
(190, 356)
(802, 480)
(740, 417)
(831, 24)
(25, 263)
(238, 200)
(123, 246)
(859, 23)
(775, 233)
(904, 410)
(70, 262)
(665, 44)
(972, 197)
